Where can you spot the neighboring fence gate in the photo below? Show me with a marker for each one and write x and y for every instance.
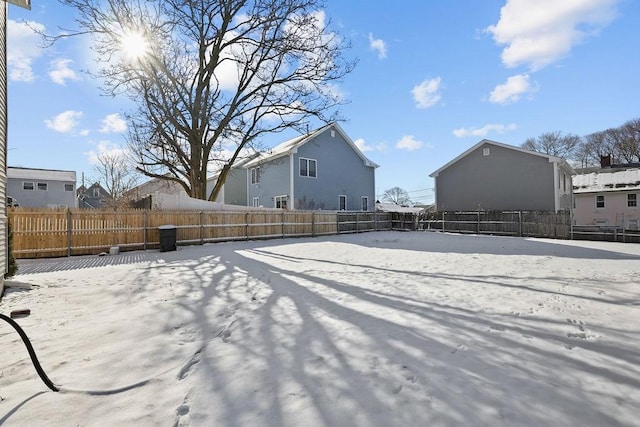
(507, 223)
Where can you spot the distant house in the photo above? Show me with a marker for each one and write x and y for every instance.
(322, 169)
(608, 196)
(392, 207)
(153, 186)
(495, 176)
(93, 197)
(41, 187)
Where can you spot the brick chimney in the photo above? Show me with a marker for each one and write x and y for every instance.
(605, 161)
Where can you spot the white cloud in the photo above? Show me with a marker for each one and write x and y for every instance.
(22, 49)
(483, 131)
(59, 71)
(539, 32)
(378, 45)
(363, 146)
(409, 143)
(426, 94)
(512, 89)
(64, 122)
(106, 148)
(113, 123)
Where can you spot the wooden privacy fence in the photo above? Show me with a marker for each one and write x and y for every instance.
(43, 233)
(605, 233)
(508, 223)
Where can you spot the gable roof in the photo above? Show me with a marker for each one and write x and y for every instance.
(287, 147)
(607, 180)
(552, 159)
(44, 174)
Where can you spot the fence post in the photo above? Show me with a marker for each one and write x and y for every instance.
(69, 231)
(443, 221)
(357, 226)
(144, 229)
(282, 223)
(246, 228)
(313, 224)
(520, 223)
(201, 228)
(478, 222)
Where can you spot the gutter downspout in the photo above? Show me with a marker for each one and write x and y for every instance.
(556, 186)
(291, 178)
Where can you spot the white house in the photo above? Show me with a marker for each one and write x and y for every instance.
(609, 196)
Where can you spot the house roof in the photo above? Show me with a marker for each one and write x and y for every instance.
(44, 174)
(291, 145)
(552, 159)
(607, 180)
(392, 207)
(237, 164)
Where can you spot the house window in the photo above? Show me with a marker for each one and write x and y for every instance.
(96, 192)
(599, 202)
(486, 151)
(42, 186)
(632, 200)
(256, 202)
(27, 186)
(308, 167)
(255, 175)
(342, 203)
(281, 202)
(68, 187)
(365, 203)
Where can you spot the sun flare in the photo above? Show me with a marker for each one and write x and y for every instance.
(134, 45)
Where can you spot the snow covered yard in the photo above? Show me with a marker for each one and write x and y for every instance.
(374, 329)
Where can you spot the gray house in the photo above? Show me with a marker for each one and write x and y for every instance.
(93, 197)
(495, 176)
(41, 187)
(322, 169)
(234, 189)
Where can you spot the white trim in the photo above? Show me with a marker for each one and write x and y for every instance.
(362, 199)
(556, 187)
(498, 144)
(287, 147)
(292, 175)
(340, 196)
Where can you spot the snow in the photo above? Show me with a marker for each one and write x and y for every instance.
(607, 180)
(372, 329)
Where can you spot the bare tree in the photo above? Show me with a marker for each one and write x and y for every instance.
(627, 143)
(209, 78)
(621, 143)
(116, 173)
(397, 195)
(554, 144)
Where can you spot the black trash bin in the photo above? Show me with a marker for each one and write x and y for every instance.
(167, 238)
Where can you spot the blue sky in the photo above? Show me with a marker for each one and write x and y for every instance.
(433, 79)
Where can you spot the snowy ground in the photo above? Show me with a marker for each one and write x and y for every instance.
(374, 329)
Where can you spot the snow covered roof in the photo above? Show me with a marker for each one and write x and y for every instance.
(551, 158)
(40, 174)
(392, 207)
(287, 147)
(607, 180)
